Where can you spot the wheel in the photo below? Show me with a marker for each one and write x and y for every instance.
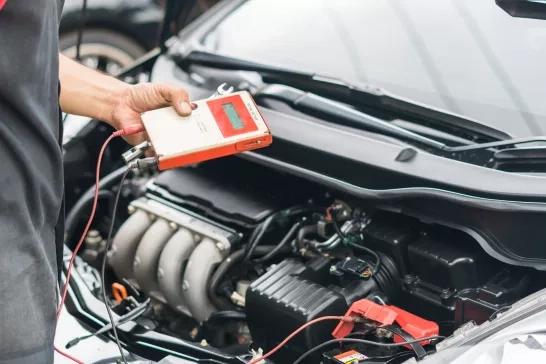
(102, 49)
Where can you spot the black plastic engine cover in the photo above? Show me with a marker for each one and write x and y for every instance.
(451, 261)
(281, 301)
(229, 190)
(453, 280)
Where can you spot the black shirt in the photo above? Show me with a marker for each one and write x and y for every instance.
(31, 174)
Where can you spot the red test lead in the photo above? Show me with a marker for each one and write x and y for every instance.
(129, 130)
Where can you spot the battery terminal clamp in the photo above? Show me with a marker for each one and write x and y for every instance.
(135, 152)
(387, 316)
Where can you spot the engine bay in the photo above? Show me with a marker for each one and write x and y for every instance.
(235, 257)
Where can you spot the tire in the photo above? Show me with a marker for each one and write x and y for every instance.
(102, 49)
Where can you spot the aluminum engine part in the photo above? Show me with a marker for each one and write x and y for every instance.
(147, 256)
(172, 265)
(125, 243)
(206, 256)
(153, 255)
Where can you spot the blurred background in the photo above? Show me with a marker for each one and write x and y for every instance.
(117, 32)
(467, 56)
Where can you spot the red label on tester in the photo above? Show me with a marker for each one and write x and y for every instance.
(231, 116)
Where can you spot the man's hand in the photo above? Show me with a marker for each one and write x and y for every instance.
(134, 100)
(90, 93)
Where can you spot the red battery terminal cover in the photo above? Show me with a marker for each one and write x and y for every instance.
(387, 315)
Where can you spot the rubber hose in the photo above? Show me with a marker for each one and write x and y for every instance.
(78, 210)
(302, 233)
(338, 229)
(287, 238)
(289, 212)
(106, 182)
(252, 244)
(225, 315)
(217, 318)
(224, 267)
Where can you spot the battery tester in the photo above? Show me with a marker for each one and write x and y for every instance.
(225, 124)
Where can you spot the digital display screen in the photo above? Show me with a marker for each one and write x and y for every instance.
(233, 116)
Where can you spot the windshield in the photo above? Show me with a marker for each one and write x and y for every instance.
(465, 56)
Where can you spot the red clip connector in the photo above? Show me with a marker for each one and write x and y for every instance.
(387, 315)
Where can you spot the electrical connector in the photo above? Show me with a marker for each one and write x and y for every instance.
(72, 343)
(135, 152)
(129, 130)
(145, 164)
(238, 299)
(257, 356)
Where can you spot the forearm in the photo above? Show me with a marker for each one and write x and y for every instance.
(87, 92)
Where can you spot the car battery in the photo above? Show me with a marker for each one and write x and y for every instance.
(369, 355)
(346, 357)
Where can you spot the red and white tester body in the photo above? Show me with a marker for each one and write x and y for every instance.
(217, 127)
